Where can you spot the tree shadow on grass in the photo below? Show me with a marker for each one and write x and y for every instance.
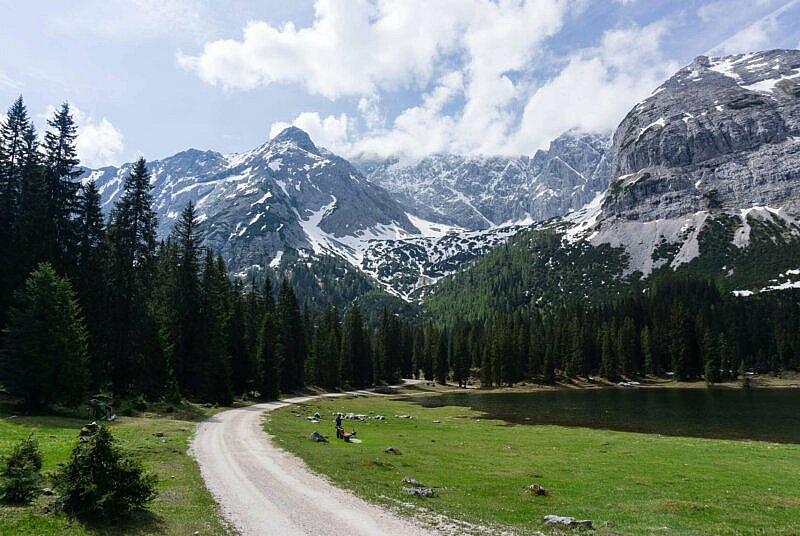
(143, 522)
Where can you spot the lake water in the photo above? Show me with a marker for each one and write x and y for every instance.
(759, 414)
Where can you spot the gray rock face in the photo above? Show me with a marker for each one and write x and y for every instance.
(722, 133)
(482, 192)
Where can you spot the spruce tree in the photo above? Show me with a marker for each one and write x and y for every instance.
(290, 341)
(17, 151)
(355, 363)
(710, 358)
(61, 161)
(89, 281)
(441, 363)
(215, 369)
(265, 352)
(131, 268)
(186, 321)
(428, 350)
(45, 355)
(647, 350)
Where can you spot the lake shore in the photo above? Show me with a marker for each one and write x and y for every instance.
(788, 380)
(479, 468)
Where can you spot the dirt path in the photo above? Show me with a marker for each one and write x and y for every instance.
(264, 490)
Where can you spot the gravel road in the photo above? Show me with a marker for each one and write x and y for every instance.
(263, 490)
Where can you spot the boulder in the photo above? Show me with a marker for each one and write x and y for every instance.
(319, 438)
(566, 521)
(379, 418)
(536, 489)
(413, 482)
(403, 416)
(419, 492)
(392, 450)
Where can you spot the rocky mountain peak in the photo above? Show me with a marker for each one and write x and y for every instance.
(295, 136)
(720, 131)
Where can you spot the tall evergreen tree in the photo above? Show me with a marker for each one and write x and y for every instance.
(89, 280)
(215, 370)
(61, 161)
(441, 364)
(132, 249)
(17, 151)
(186, 322)
(45, 357)
(265, 355)
(290, 342)
(355, 369)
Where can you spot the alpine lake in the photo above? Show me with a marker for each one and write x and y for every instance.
(755, 414)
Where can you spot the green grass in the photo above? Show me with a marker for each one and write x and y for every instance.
(183, 505)
(625, 482)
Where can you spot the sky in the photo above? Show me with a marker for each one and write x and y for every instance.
(364, 78)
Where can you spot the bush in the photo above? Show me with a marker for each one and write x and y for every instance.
(20, 480)
(99, 480)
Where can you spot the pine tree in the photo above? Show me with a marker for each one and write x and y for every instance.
(290, 341)
(710, 358)
(441, 364)
(16, 154)
(265, 355)
(131, 253)
(647, 350)
(460, 358)
(89, 281)
(61, 161)
(609, 368)
(355, 369)
(243, 369)
(215, 370)
(431, 339)
(679, 341)
(45, 355)
(724, 357)
(34, 228)
(628, 347)
(185, 318)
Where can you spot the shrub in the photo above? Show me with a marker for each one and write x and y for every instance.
(99, 480)
(20, 480)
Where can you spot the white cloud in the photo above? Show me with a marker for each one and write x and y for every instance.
(473, 63)
(99, 142)
(360, 47)
(625, 67)
(330, 132)
(759, 34)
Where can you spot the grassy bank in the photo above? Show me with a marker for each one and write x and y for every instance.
(183, 505)
(625, 482)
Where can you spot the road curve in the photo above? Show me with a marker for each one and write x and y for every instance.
(263, 490)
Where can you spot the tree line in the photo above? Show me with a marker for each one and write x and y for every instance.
(94, 304)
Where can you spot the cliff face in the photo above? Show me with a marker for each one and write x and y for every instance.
(483, 192)
(720, 133)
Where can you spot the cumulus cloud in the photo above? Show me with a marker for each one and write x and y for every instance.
(623, 69)
(485, 78)
(99, 142)
(760, 33)
(360, 47)
(331, 131)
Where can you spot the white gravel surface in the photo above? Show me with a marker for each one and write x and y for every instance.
(263, 490)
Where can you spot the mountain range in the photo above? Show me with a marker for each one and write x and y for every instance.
(711, 157)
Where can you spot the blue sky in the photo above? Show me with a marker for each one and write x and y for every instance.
(362, 77)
